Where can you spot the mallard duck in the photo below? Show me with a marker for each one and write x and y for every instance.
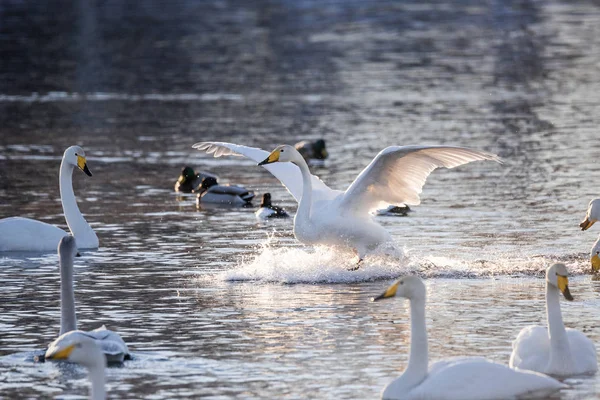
(394, 211)
(312, 150)
(553, 349)
(211, 192)
(268, 210)
(25, 234)
(189, 180)
(456, 378)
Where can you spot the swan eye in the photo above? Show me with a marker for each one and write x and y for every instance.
(401, 282)
(282, 150)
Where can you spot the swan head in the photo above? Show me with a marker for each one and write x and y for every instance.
(596, 257)
(67, 248)
(592, 215)
(558, 276)
(283, 153)
(410, 287)
(75, 156)
(81, 350)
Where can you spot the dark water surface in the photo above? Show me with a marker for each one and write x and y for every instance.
(201, 295)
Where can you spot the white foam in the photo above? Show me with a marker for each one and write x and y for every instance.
(290, 265)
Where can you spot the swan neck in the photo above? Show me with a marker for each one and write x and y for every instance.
(75, 220)
(304, 205)
(419, 358)
(68, 319)
(559, 343)
(97, 378)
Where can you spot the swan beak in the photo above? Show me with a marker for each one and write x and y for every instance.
(81, 163)
(389, 292)
(61, 354)
(563, 286)
(586, 223)
(273, 157)
(596, 263)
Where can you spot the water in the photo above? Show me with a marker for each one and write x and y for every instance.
(216, 304)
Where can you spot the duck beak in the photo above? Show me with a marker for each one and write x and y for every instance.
(62, 354)
(563, 286)
(596, 263)
(273, 157)
(586, 223)
(81, 163)
(389, 292)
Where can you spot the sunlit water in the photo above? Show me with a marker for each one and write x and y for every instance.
(216, 304)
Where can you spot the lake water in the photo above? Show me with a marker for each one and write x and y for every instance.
(216, 304)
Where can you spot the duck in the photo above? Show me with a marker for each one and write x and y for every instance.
(211, 192)
(554, 350)
(112, 345)
(29, 235)
(342, 219)
(394, 211)
(267, 210)
(457, 378)
(83, 350)
(311, 151)
(592, 215)
(189, 180)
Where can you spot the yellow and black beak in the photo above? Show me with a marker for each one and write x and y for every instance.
(81, 163)
(586, 223)
(596, 263)
(61, 354)
(273, 157)
(563, 286)
(389, 292)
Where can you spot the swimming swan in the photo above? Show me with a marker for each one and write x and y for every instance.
(25, 234)
(554, 350)
(460, 378)
(85, 351)
(592, 215)
(342, 219)
(110, 342)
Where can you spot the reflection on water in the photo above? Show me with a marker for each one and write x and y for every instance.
(217, 304)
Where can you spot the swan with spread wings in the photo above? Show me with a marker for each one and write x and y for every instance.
(342, 219)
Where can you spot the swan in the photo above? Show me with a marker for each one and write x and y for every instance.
(25, 234)
(460, 378)
(342, 219)
(554, 350)
(110, 342)
(85, 351)
(268, 210)
(189, 180)
(312, 151)
(592, 215)
(211, 192)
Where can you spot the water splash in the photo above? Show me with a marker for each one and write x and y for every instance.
(291, 265)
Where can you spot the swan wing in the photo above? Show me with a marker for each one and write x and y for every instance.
(287, 173)
(584, 351)
(531, 349)
(397, 175)
(476, 379)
